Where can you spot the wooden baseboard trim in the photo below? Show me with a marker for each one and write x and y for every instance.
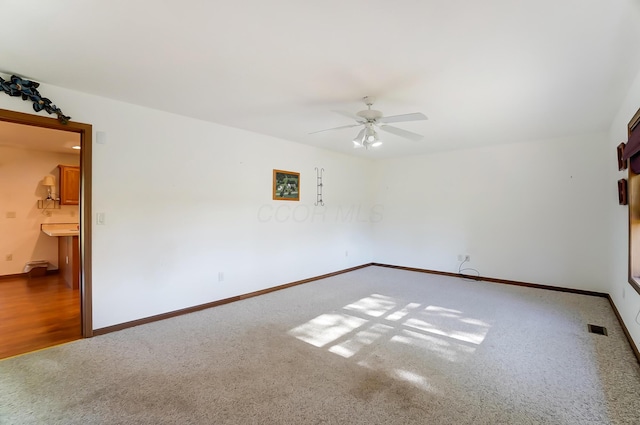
(495, 280)
(13, 276)
(634, 348)
(151, 319)
(193, 309)
(26, 275)
(300, 282)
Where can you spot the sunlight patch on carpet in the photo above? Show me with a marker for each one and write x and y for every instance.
(444, 332)
(439, 347)
(471, 337)
(326, 328)
(414, 379)
(361, 339)
(375, 305)
(397, 315)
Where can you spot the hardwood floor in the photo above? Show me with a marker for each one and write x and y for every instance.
(37, 313)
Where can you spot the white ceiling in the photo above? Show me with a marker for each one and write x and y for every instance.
(484, 72)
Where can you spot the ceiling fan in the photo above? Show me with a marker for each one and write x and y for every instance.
(370, 120)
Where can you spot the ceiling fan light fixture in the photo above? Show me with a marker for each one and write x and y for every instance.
(371, 135)
(370, 120)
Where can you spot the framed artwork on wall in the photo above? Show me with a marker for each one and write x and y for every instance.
(622, 163)
(622, 191)
(286, 185)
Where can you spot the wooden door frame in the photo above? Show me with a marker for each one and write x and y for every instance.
(85, 132)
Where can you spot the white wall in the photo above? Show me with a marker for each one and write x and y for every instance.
(531, 212)
(21, 174)
(624, 296)
(186, 199)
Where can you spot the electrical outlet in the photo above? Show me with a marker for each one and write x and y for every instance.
(220, 276)
(8, 257)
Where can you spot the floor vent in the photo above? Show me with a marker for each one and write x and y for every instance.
(600, 330)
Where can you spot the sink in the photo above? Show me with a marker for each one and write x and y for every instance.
(60, 229)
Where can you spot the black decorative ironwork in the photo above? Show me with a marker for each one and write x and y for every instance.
(319, 184)
(28, 90)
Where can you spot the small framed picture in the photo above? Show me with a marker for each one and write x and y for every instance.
(622, 164)
(622, 191)
(286, 185)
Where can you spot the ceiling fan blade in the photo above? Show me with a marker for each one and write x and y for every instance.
(336, 128)
(402, 133)
(416, 116)
(349, 115)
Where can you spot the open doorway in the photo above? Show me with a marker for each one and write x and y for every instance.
(51, 294)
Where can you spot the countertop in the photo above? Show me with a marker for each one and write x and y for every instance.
(60, 229)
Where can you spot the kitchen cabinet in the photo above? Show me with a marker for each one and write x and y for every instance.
(69, 260)
(69, 184)
(68, 250)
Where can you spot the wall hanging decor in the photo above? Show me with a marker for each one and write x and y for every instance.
(17, 86)
(286, 185)
(622, 192)
(319, 200)
(622, 163)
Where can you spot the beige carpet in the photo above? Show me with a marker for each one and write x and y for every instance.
(374, 346)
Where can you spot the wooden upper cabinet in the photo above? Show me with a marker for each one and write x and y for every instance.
(69, 185)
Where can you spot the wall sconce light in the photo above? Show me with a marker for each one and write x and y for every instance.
(50, 202)
(49, 181)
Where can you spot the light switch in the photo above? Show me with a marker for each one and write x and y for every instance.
(100, 218)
